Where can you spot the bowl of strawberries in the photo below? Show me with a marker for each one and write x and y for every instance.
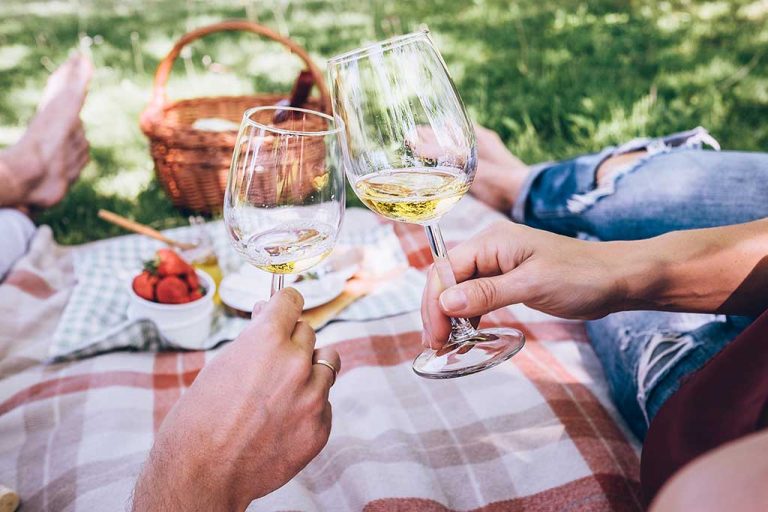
(177, 297)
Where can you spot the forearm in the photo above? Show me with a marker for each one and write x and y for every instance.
(731, 477)
(167, 483)
(721, 270)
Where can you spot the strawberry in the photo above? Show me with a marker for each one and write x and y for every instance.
(170, 264)
(144, 285)
(195, 294)
(172, 290)
(193, 281)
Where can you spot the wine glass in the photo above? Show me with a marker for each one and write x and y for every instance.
(410, 154)
(284, 201)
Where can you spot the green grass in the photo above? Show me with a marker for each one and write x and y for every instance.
(554, 78)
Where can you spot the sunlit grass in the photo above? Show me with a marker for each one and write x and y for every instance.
(554, 78)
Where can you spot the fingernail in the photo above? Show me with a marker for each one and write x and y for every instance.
(453, 299)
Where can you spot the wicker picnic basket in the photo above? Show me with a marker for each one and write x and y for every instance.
(192, 164)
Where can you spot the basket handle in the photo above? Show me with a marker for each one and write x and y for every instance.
(159, 96)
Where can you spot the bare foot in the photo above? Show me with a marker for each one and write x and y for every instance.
(53, 150)
(500, 174)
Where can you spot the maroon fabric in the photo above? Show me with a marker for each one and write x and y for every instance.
(719, 403)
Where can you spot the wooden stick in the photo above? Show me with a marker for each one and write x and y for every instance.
(321, 315)
(356, 288)
(141, 229)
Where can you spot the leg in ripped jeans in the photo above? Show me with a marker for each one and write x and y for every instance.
(639, 190)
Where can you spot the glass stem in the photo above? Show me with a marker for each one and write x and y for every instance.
(278, 280)
(461, 329)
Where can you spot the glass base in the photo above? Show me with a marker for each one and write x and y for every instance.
(485, 349)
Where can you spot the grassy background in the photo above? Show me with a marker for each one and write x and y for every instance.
(554, 78)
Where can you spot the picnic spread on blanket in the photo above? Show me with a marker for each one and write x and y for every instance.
(97, 338)
(538, 432)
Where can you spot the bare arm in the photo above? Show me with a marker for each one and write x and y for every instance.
(721, 270)
(708, 270)
(729, 478)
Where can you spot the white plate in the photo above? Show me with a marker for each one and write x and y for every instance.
(244, 288)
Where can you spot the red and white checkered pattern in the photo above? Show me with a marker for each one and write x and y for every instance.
(536, 433)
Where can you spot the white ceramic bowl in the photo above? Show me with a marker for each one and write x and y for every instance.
(185, 325)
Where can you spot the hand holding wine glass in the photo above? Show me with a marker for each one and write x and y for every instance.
(410, 154)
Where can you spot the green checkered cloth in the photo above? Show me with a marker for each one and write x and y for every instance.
(95, 319)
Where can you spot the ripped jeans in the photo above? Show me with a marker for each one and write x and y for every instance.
(675, 186)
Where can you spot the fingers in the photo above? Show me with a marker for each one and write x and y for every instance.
(477, 257)
(499, 248)
(322, 429)
(258, 307)
(328, 415)
(282, 311)
(436, 324)
(477, 297)
(304, 336)
(468, 258)
(323, 377)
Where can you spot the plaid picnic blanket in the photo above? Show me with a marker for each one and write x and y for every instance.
(537, 433)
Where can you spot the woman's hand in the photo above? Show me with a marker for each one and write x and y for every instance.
(715, 270)
(254, 417)
(509, 263)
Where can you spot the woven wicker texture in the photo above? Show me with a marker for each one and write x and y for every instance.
(192, 164)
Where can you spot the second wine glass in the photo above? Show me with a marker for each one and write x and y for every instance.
(284, 200)
(410, 154)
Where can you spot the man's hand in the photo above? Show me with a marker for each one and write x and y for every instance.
(509, 263)
(254, 417)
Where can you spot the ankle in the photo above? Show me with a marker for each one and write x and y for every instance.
(516, 174)
(20, 170)
(10, 187)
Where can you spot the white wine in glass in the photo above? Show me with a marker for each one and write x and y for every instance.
(415, 195)
(410, 155)
(284, 200)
